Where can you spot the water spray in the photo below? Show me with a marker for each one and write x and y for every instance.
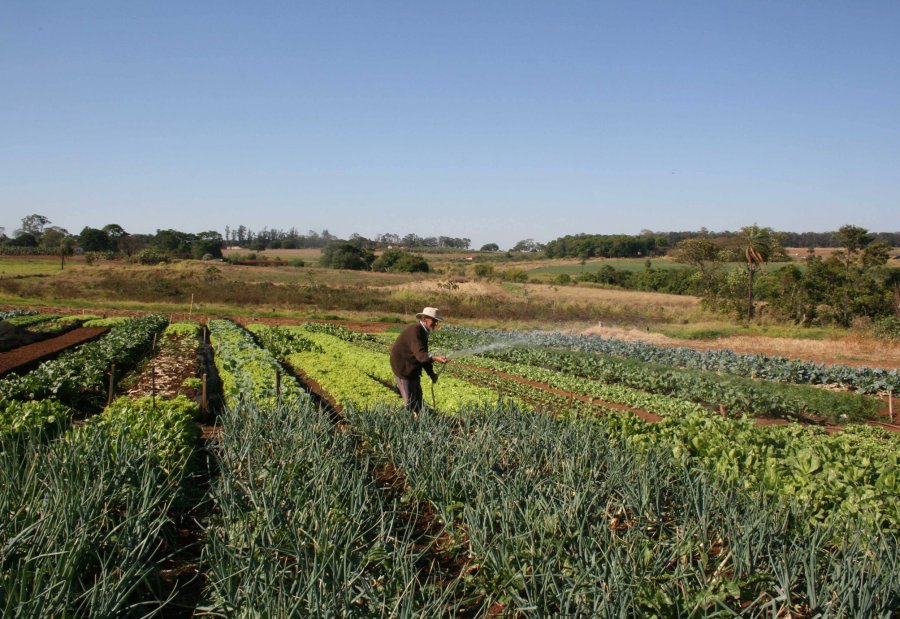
(468, 352)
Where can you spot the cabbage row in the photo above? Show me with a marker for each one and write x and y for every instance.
(863, 379)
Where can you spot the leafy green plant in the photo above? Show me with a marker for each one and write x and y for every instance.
(78, 378)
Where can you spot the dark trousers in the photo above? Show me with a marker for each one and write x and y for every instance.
(411, 392)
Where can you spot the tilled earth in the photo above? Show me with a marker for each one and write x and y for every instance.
(27, 356)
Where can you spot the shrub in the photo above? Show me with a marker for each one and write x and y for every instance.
(887, 328)
(153, 255)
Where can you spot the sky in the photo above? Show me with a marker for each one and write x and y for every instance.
(495, 121)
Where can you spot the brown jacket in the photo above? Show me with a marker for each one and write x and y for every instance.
(409, 354)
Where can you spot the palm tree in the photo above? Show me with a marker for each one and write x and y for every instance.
(758, 247)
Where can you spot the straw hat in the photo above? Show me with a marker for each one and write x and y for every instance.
(430, 312)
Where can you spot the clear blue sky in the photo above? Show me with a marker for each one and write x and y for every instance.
(495, 121)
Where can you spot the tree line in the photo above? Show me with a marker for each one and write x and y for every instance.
(37, 236)
(274, 238)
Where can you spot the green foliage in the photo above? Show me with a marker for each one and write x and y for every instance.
(346, 256)
(735, 394)
(88, 518)
(606, 246)
(281, 341)
(338, 331)
(165, 428)
(184, 328)
(484, 270)
(887, 328)
(41, 415)
(399, 261)
(112, 321)
(78, 378)
(862, 379)
(248, 371)
(153, 255)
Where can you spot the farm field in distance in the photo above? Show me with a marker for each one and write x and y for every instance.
(573, 459)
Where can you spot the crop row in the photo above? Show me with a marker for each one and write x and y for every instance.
(736, 395)
(7, 314)
(85, 517)
(302, 530)
(849, 473)
(863, 379)
(541, 516)
(248, 371)
(356, 376)
(564, 517)
(79, 377)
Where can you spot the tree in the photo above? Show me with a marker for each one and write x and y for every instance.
(708, 258)
(527, 245)
(206, 243)
(33, 225)
(758, 246)
(131, 244)
(345, 255)
(490, 247)
(399, 261)
(53, 238)
(853, 239)
(93, 239)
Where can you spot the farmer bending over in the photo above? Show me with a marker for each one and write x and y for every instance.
(409, 356)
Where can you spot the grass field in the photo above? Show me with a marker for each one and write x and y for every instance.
(18, 266)
(575, 268)
(220, 289)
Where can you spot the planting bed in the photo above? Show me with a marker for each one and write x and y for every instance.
(533, 486)
(25, 357)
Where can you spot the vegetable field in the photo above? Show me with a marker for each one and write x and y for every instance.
(549, 475)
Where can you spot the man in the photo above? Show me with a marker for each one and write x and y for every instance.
(409, 356)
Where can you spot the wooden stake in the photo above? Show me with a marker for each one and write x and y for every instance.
(112, 374)
(203, 397)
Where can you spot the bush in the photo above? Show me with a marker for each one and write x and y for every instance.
(887, 328)
(399, 261)
(347, 256)
(514, 275)
(484, 270)
(153, 255)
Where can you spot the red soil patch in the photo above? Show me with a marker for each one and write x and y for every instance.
(25, 357)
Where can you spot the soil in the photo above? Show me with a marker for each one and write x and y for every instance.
(164, 375)
(27, 357)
